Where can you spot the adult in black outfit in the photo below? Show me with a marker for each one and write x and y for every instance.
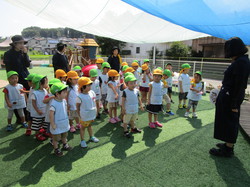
(230, 98)
(115, 59)
(59, 59)
(17, 59)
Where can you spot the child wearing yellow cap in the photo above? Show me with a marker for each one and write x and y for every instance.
(14, 99)
(99, 62)
(146, 78)
(61, 75)
(86, 108)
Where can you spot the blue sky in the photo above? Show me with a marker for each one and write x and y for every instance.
(15, 19)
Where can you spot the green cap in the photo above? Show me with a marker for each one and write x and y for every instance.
(57, 87)
(130, 78)
(146, 60)
(105, 65)
(93, 73)
(36, 80)
(77, 68)
(53, 81)
(185, 66)
(160, 68)
(198, 72)
(135, 61)
(124, 67)
(167, 72)
(10, 73)
(30, 76)
(128, 73)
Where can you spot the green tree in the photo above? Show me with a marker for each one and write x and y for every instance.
(106, 44)
(30, 32)
(178, 49)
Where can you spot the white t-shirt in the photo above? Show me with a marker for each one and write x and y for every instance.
(185, 81)
(16, 98)
(88, 106)
(192, 95)
(38, 95)
(131, 102)
(96, 88)
(169, 81)
(147, 81)
(48, 108)
(73, 93)
(164, 90)
(137, 76)
(60, 116)
(104, 83)
(29, 101)
(157, 93)
(99, 71)
(111, 94)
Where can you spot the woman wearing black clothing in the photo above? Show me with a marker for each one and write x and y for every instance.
(230, 98)
(115, 59)
(60, 60)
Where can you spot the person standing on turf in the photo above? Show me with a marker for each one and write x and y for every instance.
(115, 59)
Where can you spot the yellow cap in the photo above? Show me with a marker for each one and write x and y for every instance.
(124, 63)
(134, 64)
(157, 72)
(72, 75)
(60, 73)
(129, 69)
(83, 81)
(113, 73)
(99, 61)
(144, 67)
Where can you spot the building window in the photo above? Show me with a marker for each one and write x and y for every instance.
(48, 45)
(137, 50)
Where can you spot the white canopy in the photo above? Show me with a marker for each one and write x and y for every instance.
(109, 18)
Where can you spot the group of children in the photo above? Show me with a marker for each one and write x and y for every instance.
(53, 106)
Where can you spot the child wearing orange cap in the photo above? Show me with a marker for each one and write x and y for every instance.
(135, 66)
(86, 108)
(61, 75)
(99, 62)
(146, 78)
(72, 78)
(113, 96)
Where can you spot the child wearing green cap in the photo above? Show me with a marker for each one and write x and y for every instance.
(166, 74)
(194, 94)
(170, 81)
(38, 107)
(59, 121)
(14, 99)
(96, 88)
(78, 70)
(130, 103)
(183, 85)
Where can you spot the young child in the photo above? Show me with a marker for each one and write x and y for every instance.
(96, 88)
(59, 121)
(103, 79)
(130, 102)
(78, 70)
(194, 94)
(166, 74)
(99, 62)
(146, 61)
(38, 107)
(72, 78)
(184, 85)
(135, 66)
(61, 75)
(170, 81)
(86, 108)
(14, 99)
(29, 102)
(122, 65)
(155, 97)
(112, 96)
(146, 78)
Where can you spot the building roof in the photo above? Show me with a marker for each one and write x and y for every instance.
(88, 42)
(6, 42)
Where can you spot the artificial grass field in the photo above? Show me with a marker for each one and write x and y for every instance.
(176, 155)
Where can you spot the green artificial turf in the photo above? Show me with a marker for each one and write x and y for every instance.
(176, 155)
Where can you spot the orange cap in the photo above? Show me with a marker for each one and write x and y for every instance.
(134, 64)
(129, 69)
(72, 75)
(157, 72)
(99, 61)
(124, 63)
(113, 73)
(60, 73)
(83, 81)
(144, 67)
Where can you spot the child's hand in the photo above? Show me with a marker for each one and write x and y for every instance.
(40, 112)
(22, 91)
(116, 96)
(53, 126)
(141, 108)
(9, 105)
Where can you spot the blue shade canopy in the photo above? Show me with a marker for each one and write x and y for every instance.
(219, 18)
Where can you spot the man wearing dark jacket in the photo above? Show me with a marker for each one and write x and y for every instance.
(115, 59)
(60, 60)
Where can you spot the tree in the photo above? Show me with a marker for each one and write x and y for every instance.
(106, 44)
(30, 32)
(157, 53)
(178, 49)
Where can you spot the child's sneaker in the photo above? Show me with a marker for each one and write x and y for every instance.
(9, 128)
(169, 113)
(152, 125)
(158, 124)
(195, 115)
(117, 119)
(126, 134)
(58, 152)
(40, 137)
(184, 106)
(78, 126)
(105, 111)
(112, 120)
(172, 101)
(83, 144)
(66, 147)
(180, 106)
(186, 114)
(24, 125)
(72, 129)
(28, 132)
(135, 130)
(94, 139)
(98, 116)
